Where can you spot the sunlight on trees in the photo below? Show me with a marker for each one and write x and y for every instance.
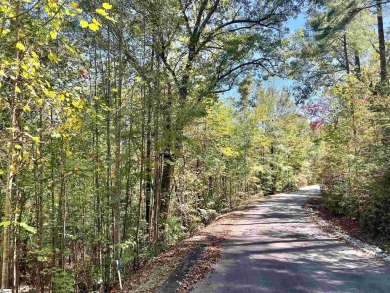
(115, 143)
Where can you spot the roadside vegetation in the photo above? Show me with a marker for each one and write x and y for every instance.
(345, 45)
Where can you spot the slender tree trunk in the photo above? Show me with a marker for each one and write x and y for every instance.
(148, 175)
(168, 165)
(346, 53)
(148, 161)
(381, 38)
(62, 208)
(127, 218)
(12, 166)
(53, 202)
(166, 182)
(118, 106)
(157, 178)
(357, 67)
(141, 180)
(273, 169)
(7, 216)
(108, 210)
(157, 164)
(40, 165)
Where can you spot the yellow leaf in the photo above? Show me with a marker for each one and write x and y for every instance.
(107, 6)
(5, 31)
(26, 108)
(84, 24)
(138, 79)
(74, 5)
(18, 146)
(77, 104)
(110, 18)
(53, 57)
(96, 22)
(70, 49)
(69, 12)
(53, 35)
(36, 138)
(20, 46)
(102, 12)
(93, 27)
(18, 90)
(34, 55)
(114, 90)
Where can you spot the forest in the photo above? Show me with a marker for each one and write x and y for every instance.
(128, 125)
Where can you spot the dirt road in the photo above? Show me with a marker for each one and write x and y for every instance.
(276, 248)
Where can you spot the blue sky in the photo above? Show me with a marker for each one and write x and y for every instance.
(296, 23)
(293, 24)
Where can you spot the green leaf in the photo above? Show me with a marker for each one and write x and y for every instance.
(5, 224)
(28, 228)
(53, 57)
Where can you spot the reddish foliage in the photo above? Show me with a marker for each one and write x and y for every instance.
(316, 112)
(317, 124)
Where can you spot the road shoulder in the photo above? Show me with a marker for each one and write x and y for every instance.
(345, 229)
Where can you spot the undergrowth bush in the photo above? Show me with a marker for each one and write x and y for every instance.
(376, 213)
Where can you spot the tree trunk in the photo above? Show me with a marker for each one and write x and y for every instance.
(148, 161)
(7, 214)
(381, 38)
(357, 66)
(148, 175)
(166, 182)
(118, 114)
(12, 167)
(346, 53)
(273, 169)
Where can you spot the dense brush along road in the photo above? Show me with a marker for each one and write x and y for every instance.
(276, 248)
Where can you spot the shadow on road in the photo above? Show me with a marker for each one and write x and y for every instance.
(276, 248)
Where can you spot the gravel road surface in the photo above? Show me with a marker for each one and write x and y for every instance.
(276, 248)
